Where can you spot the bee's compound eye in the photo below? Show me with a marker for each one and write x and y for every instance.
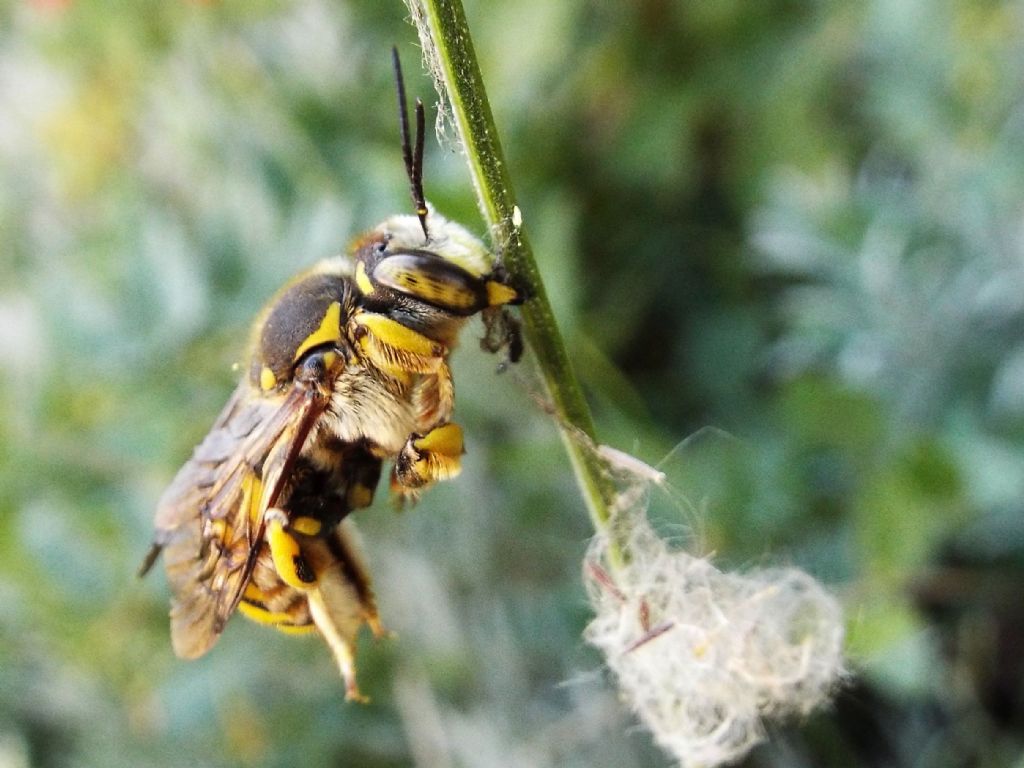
(429, 278)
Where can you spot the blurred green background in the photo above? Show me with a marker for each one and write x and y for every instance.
(785, 240)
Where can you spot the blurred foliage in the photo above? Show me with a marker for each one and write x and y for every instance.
(797, 221)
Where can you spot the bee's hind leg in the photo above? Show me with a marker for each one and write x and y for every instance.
(290, 563)
(342, 601)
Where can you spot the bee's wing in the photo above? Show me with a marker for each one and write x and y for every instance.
(209, 522)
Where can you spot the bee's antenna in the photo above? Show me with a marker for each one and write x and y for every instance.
(413, 156)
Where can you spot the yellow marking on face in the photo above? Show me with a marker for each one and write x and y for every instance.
(437, 291)
(499, 293)
(362, 280)
(329, 331)
(445, 440)
(308, 526)
(267, 379)
(423, 285)
(360, 496)
(330, 358)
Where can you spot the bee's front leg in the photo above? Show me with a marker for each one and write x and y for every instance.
(290, 563)
(395, 348)
(425, 459)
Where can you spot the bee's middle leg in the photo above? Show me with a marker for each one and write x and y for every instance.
(425, 459)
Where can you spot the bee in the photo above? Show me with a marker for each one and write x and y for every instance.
(348, 369)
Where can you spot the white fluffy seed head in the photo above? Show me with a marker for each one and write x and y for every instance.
(701, 655)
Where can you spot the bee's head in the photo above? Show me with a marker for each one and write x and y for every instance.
(427, 282)
(305, 319)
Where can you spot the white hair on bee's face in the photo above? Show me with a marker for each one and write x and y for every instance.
(451, 241)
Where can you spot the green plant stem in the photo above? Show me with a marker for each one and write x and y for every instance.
(445, 37)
